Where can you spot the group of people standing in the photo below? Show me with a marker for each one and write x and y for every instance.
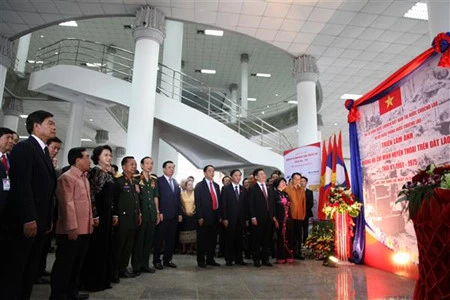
(102, 221)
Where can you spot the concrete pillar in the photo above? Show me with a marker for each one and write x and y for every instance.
(12, 109)
(172, 54)
(75, 128)
(306, 74)
(101, 137)
(244, 85)
(6, 60)
(149, 34)
(233, 98)
(22, 54)
(438, 17)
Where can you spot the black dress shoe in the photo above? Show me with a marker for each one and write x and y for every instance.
(169, 264)
(158, 266)
(136, 273)
(213, 263)
(241, 263)
(46, 273)
(41, 280)
(267, 264)
(115, 279)
(202, 265)
(81, 297)
(229, 264)
(257, 264)
(147, 270)
(126, 274)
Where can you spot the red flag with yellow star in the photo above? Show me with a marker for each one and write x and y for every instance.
(391, 101)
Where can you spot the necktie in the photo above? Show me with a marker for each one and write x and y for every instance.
(213, 196)
(171, 185)
(5, 163)
(263, 188)
(47, 154)
(236, 192)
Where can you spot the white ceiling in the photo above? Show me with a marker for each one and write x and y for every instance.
(357, 43)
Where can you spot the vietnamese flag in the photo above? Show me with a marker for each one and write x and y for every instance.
(390, 101)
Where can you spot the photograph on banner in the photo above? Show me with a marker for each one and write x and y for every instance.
(405, 130)
(306, 161)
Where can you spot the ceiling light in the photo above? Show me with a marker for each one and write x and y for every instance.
(350, 96)
(91, 120)
(69, 24)
(251, 99)
(335, 124)
(293, 102)
(419, 12)
(39, 62)
(206, 71)
(93, 64)
(23, 137)
(30, 61)
(213, 32)
(268, 106)
(24, 116)
(276, 95)
(265, 75)
(56, 52)
(262, 112)
(42, 36)
(86, 140)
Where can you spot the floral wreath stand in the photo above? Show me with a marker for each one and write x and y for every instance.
(343, 234)
(432, 227)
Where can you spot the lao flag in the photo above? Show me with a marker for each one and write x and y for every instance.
(341, 171)
(390, 101)
(322, 196)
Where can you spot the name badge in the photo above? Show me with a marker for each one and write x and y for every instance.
(6, 184)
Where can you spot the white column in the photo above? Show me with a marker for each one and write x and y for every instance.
(244, 85)
(22, 54)
(306, 74)
(438, 17)
(12, 109)
(172, 54)
(75, 128)
(167, 152)
(233, 110)
(6, 59)
(148, 34)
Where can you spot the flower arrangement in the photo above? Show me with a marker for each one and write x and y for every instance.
(320, 242)
(421, 187)
(341, 200)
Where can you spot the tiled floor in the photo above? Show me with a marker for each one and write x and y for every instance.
(301, 280)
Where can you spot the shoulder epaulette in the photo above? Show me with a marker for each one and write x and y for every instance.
(136, 175)
(154, 176)
(119, 175)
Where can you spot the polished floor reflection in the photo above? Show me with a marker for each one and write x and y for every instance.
(301, 280)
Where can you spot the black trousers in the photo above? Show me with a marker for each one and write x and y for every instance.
(67, 266)
(305, 230)
(143, 245)
(297, 239)
(233, 243)
(21, 267)
(261, 239)
(206, 243)
(165, 233)
(122, 246)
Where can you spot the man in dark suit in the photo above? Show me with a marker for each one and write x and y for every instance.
(207, 195)
(260, 214)
(233, 197)
(6, 144)
(309, 205)
(169, 210)
(30, 209)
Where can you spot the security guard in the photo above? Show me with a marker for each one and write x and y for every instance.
(126, 217)
(148, 196)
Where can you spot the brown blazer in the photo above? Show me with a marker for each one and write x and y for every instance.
(74, 203)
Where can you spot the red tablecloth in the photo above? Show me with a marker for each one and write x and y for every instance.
(432, 226)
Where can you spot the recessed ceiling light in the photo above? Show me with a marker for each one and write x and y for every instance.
(56, 52)
(262, 112)
(268, 106)
(30, 61)
(206, 71)
(251, 99)
(419, 12)
(293, 102)
(86, 140)
(69, 24)
(91, 120)
(42, 36)
(350, 96)
(213, 32)
(276, 95)
(23, 137)
(264, 75)
(335, 124)
(93, 64)
(24, 116)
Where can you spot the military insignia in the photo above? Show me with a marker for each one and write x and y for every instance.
(153, 184)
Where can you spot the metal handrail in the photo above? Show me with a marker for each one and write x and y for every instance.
(118, 62)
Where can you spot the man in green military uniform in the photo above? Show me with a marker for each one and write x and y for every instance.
(150, 217)
(126, 217)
